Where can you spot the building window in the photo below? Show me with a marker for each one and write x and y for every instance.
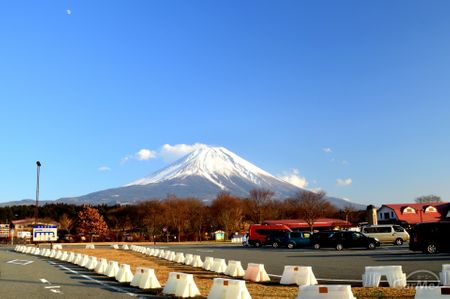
(392, 214)
(386, 215)
(381, 215)
(430, 209)
(409, 210)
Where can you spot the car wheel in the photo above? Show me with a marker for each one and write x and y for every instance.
(431, 248)
(275, 245)
(371, 245)
(257, 244)
(290, 246)
(339, 247)
(398, 241)
(316, 246)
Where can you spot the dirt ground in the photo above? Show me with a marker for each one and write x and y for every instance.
(204, 279)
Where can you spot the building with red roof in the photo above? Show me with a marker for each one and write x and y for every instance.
(320, 223)
(412, 213)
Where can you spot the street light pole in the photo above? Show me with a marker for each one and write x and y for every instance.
(38, 164)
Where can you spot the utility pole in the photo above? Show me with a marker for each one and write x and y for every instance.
(38, 164)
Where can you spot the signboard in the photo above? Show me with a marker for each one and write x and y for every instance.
(47, 233)
(4, 230)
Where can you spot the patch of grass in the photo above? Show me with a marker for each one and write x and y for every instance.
(384, 293)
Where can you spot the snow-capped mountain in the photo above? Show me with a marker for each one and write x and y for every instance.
(218, 166)
(201, 174)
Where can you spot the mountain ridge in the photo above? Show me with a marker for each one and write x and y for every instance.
(201, 174)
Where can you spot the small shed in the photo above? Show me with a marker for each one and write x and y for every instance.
(219, 235)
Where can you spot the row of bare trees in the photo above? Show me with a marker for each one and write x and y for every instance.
(192, 219)
(189, 218)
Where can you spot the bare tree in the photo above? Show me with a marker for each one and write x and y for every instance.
(311, 206)
(428, 199)
(177, 214)
(65, 223)
(153, 212)
(347, 210)
(119, 219)
(227, 212)
(258, 201)
(197, 217)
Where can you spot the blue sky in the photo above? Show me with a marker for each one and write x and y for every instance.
(351, 96)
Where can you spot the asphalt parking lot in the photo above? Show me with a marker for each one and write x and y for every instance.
(28, 276)
(328, 265)
(24, 276)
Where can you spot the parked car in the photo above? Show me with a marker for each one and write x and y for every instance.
(387, 233)
(321, 238)
(258, 233)
(275, 238)
(343, 239)
(430, 237)
(291, 239)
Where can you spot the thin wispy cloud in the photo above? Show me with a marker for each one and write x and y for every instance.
(145, 154)
(327, 150)
(142, 155)
(167, 152)
(104, 168)
(172, 152)
(293, 176)
(332, 157)
(344, 182)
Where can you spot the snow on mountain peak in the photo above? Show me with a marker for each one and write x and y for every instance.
(212, 163)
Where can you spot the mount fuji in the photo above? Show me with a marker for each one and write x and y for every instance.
(219, 169)
(201, 174)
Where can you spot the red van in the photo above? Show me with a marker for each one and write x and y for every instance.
(258, 233)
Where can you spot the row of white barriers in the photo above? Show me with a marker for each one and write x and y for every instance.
(178, 284)
(183, 285)
(60, 247)
(300, 275)
(254, 272)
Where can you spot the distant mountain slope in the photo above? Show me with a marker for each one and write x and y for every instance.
(201, 174)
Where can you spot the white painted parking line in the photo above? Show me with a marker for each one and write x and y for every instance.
(117, 289)
(204, 250)
(52, 288)
(56, 291)
(20, 262)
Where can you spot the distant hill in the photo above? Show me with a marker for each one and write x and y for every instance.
(201, 174)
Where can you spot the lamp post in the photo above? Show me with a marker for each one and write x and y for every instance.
(38, 165)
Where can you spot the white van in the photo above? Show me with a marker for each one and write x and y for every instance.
(387, 233)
